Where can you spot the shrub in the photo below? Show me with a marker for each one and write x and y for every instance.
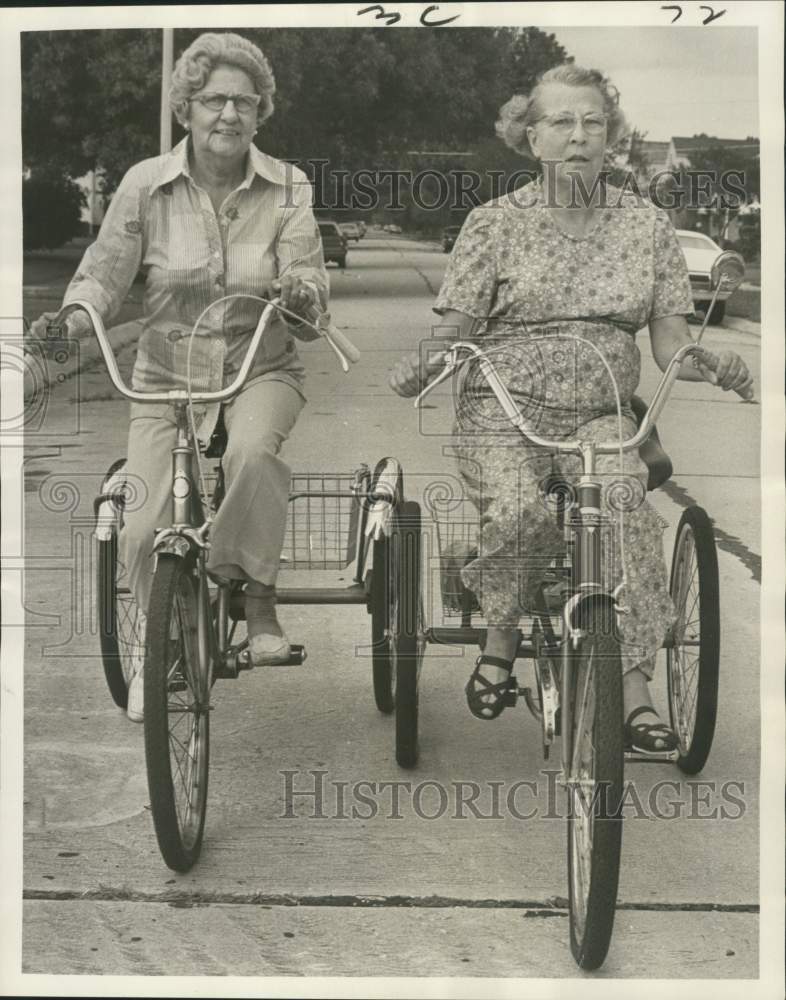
(51, 207)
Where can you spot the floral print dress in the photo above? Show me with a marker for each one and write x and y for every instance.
(534, 290)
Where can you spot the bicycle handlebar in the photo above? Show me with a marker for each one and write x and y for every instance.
(572, 446)
(340, 344)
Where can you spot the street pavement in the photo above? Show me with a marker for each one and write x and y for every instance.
(295, 890)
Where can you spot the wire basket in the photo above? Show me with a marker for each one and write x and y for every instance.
(457, 525)
(322, 521)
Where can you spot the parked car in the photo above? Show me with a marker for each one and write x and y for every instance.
(334, 243)
(351, 230)
(392, 228)
(700, 254)
(449, 234)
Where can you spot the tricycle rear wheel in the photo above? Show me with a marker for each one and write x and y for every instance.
(406, 618)
(382, 663)
(693, 659)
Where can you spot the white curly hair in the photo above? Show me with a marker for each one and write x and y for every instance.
(210, 50)
(523, 110)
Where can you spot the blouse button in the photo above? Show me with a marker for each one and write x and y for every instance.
(173, 336)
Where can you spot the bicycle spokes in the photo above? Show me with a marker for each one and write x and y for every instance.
(684, 661)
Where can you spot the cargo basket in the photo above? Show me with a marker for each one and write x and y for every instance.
(322, 520)
(457, 525)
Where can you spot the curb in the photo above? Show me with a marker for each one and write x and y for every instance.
(65, 359)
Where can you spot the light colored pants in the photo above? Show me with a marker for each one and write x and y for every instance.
(248, 532)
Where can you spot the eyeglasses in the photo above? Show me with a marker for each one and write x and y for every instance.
(244, 103)
(565, 122)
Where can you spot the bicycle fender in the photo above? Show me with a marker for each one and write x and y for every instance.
(387, 478)
(578, 611)
(173, 545)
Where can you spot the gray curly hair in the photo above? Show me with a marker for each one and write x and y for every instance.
(210, 50)
(522, 110)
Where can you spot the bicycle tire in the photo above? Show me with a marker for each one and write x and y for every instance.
(119, 630)
(595, 832)
(694, 588)
(176, 689)
(379, 601)
(406, 640)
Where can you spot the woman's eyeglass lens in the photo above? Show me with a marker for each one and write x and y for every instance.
(244, 103)
(592, 124)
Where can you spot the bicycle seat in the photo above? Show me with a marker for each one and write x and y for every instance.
(658, 463)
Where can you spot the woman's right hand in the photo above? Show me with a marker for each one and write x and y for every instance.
(406, 378)
(76, 324)
(38, 328)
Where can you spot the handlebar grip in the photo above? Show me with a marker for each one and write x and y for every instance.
(343, 343)
(327, 329)
(708, 361)
(56, 330)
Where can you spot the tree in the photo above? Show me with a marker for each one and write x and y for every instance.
(90, 100)
(358, 98)
(626, 163)
(51, 209)
(532, 53)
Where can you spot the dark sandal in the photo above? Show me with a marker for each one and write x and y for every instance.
(647, 735)
(500, 691)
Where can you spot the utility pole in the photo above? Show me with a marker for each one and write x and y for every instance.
(167, 64)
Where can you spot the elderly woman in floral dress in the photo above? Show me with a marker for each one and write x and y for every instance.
(566, 256)
(214, 217)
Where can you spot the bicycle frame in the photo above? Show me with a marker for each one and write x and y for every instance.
(583, 527)
(185, 538)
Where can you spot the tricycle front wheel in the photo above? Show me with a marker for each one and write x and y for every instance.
(177, 714)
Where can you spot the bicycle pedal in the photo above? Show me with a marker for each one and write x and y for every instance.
(511, 695)
(633, 756)
(297, 655)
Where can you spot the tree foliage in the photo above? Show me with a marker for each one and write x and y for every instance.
(720, 159)
(90, 99)
(51, 209)
(360, 98)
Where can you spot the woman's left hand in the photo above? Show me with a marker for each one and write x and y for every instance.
(294, 294)
(727, 370)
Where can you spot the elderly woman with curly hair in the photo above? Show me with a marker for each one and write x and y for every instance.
(214, 217)
(563, 257)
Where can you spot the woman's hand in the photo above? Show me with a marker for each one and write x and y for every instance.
(406, 378)
(76, 324)
(295, 294)
(726, 370)
(38, 328)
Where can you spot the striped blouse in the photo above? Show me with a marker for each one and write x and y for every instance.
(161, 220)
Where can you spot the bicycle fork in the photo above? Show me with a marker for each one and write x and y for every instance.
(584, 528)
